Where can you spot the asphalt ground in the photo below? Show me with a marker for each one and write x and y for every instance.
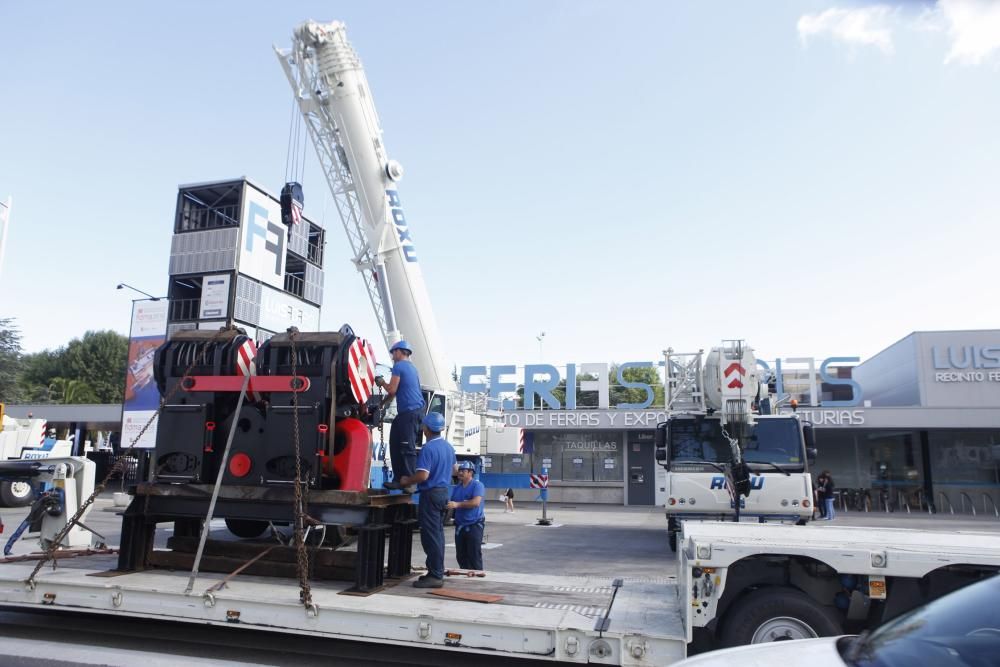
(584, 540)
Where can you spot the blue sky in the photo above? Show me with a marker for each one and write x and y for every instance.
(817, 178)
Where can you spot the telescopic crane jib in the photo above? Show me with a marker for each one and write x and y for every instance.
(335, 100)
(333, 95)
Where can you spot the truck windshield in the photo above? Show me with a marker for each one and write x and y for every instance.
(695, 440)
(775, 441)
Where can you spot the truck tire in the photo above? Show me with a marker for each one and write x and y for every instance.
(16, 494)
(777, 614)
(246, 528)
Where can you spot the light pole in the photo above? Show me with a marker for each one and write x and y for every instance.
(134, 289)
(539, 338)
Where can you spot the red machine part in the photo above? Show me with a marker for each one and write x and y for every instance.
(351, 460)
(240, 465)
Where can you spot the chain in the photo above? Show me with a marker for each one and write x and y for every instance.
(119, 465)
(301, 555)
(383, 447)
(734, 445)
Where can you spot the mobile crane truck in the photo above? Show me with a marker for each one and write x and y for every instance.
(720, 423)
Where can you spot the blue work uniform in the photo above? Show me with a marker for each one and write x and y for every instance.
(437, 457)
(405, 431)
(469, 525)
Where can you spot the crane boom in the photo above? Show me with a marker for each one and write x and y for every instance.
(333, 95)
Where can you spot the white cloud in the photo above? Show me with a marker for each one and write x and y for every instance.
(974, 29)
(867, 26)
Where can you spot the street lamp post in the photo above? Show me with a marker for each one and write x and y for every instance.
(539, 338)
(135, 289)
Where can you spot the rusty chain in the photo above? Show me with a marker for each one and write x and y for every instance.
(301, 555)
(119, 465)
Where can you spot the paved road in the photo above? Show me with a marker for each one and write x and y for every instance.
(584, 540)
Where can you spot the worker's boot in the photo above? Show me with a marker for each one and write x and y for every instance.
(428, 582)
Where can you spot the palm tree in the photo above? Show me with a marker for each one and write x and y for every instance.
(66, 391)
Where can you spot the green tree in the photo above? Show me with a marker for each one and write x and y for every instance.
(645, 375)
(98, 360)
(38, 370)
(10, 360)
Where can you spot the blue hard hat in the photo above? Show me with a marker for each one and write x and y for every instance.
(466, 465)
(401, 345)
(434, 421)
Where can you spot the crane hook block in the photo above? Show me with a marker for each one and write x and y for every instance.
(291, 204)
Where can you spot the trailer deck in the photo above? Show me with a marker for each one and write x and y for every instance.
(575, 619)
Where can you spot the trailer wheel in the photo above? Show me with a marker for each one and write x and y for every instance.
(16, 494)
(246, 528)
(777, 614)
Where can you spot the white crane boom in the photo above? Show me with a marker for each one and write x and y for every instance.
(333, 95)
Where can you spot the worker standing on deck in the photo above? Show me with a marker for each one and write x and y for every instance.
(470, 518)
(435, 466)
(405, 431)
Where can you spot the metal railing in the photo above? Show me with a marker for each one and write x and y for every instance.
(294, 284)
(943, 499)
(967, 498)
(196, 216)
(988, 497)
(184, 309)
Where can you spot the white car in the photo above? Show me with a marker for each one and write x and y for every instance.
(961, 629)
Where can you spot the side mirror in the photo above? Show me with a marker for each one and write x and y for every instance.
(811, 453)
(661, 444)
(808, 435)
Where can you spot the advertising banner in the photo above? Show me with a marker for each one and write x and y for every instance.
(263, 239)
(142, 398)
(214, 297)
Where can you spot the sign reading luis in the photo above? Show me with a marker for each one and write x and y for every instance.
(539, 380)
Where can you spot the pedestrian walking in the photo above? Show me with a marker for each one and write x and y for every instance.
(435, 466)
(508, 497)
(470, 517)
(405, 430)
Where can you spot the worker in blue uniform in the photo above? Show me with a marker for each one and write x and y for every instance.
(435, 466)
(405, 431)
(470, 518)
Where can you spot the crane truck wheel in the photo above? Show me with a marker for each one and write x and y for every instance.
(15, 494)
(246, 528)
(777, 614)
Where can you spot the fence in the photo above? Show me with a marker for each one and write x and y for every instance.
(883, 500)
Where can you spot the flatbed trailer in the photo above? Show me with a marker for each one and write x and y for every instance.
(571, 619)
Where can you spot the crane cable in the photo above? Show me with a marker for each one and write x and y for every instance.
(295, 152)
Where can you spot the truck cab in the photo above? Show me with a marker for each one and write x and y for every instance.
(696, 453)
